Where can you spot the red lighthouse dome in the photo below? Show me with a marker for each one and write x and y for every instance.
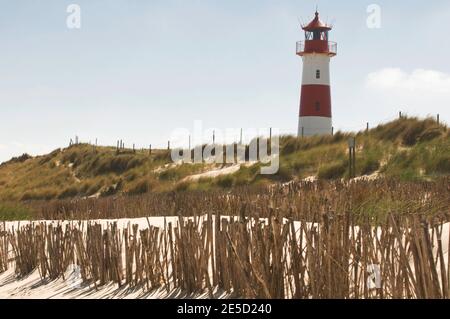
(315, 102)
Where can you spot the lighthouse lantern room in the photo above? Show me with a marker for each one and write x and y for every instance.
(315, 102)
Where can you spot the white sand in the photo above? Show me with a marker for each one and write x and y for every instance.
(214, 173)
(33, 287)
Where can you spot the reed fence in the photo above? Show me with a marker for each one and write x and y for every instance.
(270, 257)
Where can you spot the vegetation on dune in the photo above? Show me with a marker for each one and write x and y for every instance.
(362, 199)
(19, 159)
(408, 148)
(333, 170)
(15, 211)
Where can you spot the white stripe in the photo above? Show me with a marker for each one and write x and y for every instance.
(314, 125)
(313, 63)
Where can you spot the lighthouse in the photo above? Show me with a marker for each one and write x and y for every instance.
(315, 101)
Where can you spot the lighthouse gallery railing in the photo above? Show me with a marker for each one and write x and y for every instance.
(331, 48)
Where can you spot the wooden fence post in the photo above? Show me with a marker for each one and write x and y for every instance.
(352, 157)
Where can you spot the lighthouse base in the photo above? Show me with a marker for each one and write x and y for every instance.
(314, 125)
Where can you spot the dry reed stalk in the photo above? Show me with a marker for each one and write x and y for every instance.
(3, 248)
(24, 243)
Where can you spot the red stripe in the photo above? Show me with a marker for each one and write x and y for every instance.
(317, 46)
(315, 100)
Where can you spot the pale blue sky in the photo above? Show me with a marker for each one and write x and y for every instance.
(137, 70)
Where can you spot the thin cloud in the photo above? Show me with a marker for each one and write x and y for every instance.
(419, 80)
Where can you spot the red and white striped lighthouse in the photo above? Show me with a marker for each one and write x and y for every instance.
(315, 102)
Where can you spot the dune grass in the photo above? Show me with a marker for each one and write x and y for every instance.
(15, 211)
(408, 148)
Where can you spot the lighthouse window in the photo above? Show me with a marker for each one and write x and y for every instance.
(317, 106)
(317, 74)
(316, 35)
